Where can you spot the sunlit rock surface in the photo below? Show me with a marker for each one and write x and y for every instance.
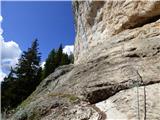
(116, 74)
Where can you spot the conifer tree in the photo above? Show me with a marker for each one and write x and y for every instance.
(55, 59)
(28, 68)
(7, 91)
(65, 59)
(50, 65)
(58, 57)
(71, 58)
(27, 75)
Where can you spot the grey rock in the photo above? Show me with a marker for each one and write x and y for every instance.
(121, 53)
(103, 25)
(127, 105)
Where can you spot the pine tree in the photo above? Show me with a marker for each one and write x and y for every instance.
(71, 58)
(27, 75)
(54, 60)
(50, 64)
(65, 59)
(28, 68)
(7, 91)
(58, 57)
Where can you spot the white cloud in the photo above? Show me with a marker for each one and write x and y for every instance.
(1, 31)
(68, 49)
(10, 53)
(2, 75)
(1, 18)
(10, 50)
(42, 64)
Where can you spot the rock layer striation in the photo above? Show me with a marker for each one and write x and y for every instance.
(116, 74)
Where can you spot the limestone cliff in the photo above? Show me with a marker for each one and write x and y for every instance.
(116, 74)
(113, 23)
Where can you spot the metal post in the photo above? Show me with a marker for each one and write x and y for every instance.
(145, 110)
(138, 112)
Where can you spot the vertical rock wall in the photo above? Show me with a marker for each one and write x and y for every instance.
(103, 22)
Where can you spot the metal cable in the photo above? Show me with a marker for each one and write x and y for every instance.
(138, 111)
(145, 109)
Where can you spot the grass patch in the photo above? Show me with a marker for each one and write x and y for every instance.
(71, 97)
(25, 103)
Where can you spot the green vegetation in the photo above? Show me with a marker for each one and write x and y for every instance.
(55, 59)
(22, 81)
(26, 76)
(71, 97)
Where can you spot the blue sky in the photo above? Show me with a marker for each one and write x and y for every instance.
(51, 22)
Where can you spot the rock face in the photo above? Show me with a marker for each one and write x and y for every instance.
(116, 74)
(124, 104)
(113, 23)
